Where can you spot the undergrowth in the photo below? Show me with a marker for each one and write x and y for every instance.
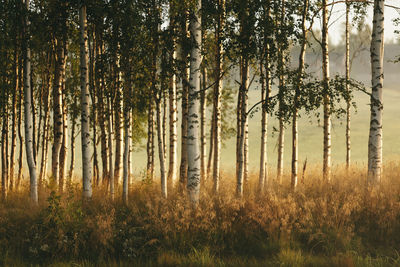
(340, 223)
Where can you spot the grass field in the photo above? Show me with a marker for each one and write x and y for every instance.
(338, 224)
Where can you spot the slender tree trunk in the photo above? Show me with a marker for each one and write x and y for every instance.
(150, 140)
(265, 88)
(118, 125)
(161, 146)
(239, 185)
(173, 131)
(211, 146)
(64, 144)
(375, 130)
(242, 151)
(93, 95)
(203, 142)
(327, 110)
(110, 148)
(246, 140)
(243, 120)
(193, 148)
(100, 80)
(127, 138)
(28, 110)
(72, 164)
(164, 121)
(20, 136)
(57, 112)
(85, 116)
(347, 63)
(281, 66)
(4, 145)
(13, 119)
(295, 141)
(217, 95)
(185, 72)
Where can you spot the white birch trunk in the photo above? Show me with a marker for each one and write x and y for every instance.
(173, 130)
(375, 130)
(327, 110)
(28, 111)
(193, 183)
(85, 124)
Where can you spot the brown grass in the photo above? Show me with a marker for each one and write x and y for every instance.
(343, 223)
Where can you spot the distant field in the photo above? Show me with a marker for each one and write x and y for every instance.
(310, 136)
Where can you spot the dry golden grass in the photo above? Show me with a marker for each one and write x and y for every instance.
(340, 223)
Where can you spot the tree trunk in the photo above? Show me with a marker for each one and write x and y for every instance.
(28, 110)
(72, 164)
(185, 72)
(64, 144)
(327, 109)
(203, 142)
(295, 141)
(173, 131)
(211, 146)
(281, 66)
(118, 125)
(14, 118)
(4, 143)
(127, 137)
(102, 108)
(150, 140)
(375, 130)
(243, 120)
(217, 95)
(57, 112)
(347, 63)
(20, 136)
(85, 116)
(110, 148)
(161, 146)
(242, 151)
(265, 90)
(193, 148)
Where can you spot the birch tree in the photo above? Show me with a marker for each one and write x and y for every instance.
(28, 109)
(193, 182)
(85, 98)
(375, 130)
(326, 98)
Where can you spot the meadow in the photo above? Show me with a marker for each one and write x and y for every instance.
(341, 223)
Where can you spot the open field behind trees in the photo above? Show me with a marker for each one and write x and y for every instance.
(338, 224)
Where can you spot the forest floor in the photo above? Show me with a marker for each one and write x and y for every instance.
(341, 223)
